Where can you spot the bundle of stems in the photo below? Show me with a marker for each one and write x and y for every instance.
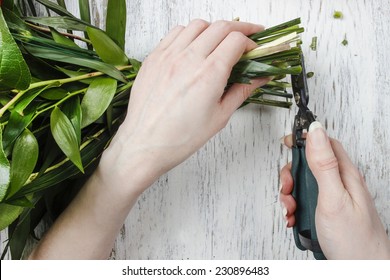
(61, 103)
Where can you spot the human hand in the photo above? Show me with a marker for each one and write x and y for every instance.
(347, 223)
(178, 100)
(177, 103)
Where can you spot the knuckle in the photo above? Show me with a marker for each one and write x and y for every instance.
(237, 37)
(219, 67)
(199, 23)
(174, 67)
(222, 25)
(327, 163)
(176, 63)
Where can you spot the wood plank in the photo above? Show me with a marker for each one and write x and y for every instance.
(222, 203)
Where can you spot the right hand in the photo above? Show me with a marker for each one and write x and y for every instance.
(347, 222)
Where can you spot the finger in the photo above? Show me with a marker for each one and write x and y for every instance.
(288, 141)
(325, 166)
(238, 93)
(286, 180)
(288, 204)
(289, 207)
(226, 55)
(170, 37)
(210, 39)
(290, 221)
(189, 34)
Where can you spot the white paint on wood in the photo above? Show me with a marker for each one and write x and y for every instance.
(222, 203)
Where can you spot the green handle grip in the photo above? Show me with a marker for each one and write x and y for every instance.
(305, 192)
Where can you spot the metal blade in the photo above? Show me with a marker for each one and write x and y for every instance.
(299, 85)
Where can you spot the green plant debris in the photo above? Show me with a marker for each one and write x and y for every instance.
(313, 44)
(338, 15)
(345, 41)
(309, 74)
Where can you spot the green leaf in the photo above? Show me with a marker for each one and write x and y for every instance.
(8, 214)
(85, 14)
(18, 238)
(56, 55)
(5, 170)
(61, 39)
(4, 100)
(72, 110)
(24, 159)
(31, 5)
(49, 44)
(55, 7)
(61, 3)
(16, 124)
(136, 64)
(64, 22)
(14, 72)
(9, 4)
(275, 29)
(253, 69)
(11, 17)
(116, 21)
(65, 136)
(30, 96)
(96, 100)
(50, 153)
(54, 93)
(22, 202)
(89, 155)
(71, 74)
(106, 48)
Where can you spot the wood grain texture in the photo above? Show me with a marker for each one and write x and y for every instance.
(222, 203)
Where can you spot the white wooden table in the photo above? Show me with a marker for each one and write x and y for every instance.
(222, 203)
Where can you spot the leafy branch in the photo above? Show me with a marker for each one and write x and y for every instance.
(61, 103)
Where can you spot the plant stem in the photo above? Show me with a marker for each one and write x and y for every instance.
(12, 101)
(57, 165)
(59, 81)
(47, 30)
(58, 103)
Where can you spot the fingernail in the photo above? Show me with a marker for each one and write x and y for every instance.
(286, 223)
(281, 140)
(284, 212)
(280, 188)
(314, 125)
(317, 137)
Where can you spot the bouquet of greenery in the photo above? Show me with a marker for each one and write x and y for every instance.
(63, 96)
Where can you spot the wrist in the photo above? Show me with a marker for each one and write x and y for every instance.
(129, 170)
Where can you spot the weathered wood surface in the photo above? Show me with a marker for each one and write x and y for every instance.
(222, 203)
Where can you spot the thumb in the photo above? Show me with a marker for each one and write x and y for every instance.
(324, 166)
(238, 93)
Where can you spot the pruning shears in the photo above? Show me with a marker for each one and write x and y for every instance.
(305, 189)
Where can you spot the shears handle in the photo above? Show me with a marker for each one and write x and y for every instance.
(305, 192)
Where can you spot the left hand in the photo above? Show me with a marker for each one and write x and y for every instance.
(179, 101)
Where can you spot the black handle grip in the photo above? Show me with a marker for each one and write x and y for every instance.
(305, 192)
